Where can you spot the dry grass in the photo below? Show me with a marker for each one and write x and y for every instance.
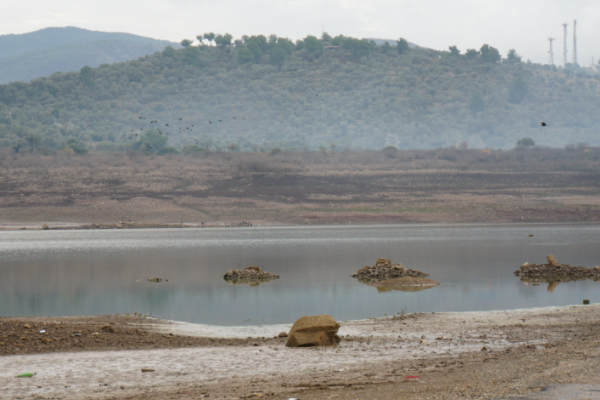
(357, 187)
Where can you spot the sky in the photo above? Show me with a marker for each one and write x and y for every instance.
(523, 25)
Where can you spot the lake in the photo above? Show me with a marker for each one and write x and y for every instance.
(93, 272)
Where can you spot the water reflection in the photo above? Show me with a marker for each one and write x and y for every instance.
(385, 289)
(554, 282)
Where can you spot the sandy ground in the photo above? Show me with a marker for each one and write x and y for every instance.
(547, 352)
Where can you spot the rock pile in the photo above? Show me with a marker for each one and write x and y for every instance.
(555, 271)
(252, 275)
(385, 269)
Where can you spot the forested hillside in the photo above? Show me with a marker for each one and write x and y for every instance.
(41, 53)
(334, 93)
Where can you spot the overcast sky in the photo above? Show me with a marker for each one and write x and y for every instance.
(524, 25)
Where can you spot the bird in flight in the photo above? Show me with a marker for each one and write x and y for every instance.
(543, 124)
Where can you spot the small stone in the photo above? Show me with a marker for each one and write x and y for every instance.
(586, 302)
(27, 326)
(147, 370)
(283, 334)
(107, 328)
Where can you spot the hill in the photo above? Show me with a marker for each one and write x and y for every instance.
(41, 53)
(330, 93)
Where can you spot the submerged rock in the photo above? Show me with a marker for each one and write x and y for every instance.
(385, 269)
(316, 330)
(555, 272)
(252, 275)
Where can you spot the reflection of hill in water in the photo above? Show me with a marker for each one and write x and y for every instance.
(404, 284)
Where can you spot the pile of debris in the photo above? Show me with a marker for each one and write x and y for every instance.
(252, 275)
(385, 269)
(555, 271)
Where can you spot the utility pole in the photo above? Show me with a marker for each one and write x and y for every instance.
(550, 51)
(564, 45)
(574, 42)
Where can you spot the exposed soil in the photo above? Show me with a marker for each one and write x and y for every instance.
(116, 191)
(68, 334)
(484, 355)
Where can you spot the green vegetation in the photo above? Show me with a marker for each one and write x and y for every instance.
(259, 93)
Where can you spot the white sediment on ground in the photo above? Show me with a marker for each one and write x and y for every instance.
(70, 376)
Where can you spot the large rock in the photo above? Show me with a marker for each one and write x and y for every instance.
(552, 261)
(316, 330)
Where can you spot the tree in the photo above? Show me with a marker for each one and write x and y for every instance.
(471, 53)
(489, 54)
(358, 47)
(326, 38)
(167, 150)
(512, 57)
(209, 37)
(169, 52)
(517, 90)
(454, 50)
(75, 146)
(402, 46)
(525, 142)
(151, 141)
(86, 76)
(33, 140)
(385, 47)
(313, 46)
(223, 41)
(186, 43)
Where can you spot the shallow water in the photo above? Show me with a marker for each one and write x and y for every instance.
(96, 272)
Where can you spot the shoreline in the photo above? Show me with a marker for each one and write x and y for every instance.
(62, 226)
(482, 354)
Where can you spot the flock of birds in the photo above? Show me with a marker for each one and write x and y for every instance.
(189, 128)
(167, 129)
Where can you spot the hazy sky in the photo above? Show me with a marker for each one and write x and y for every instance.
(524, 25)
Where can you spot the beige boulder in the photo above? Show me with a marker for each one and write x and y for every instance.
(552, 261)
(315, 330)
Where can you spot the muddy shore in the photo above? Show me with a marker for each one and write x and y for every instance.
(497, 354)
